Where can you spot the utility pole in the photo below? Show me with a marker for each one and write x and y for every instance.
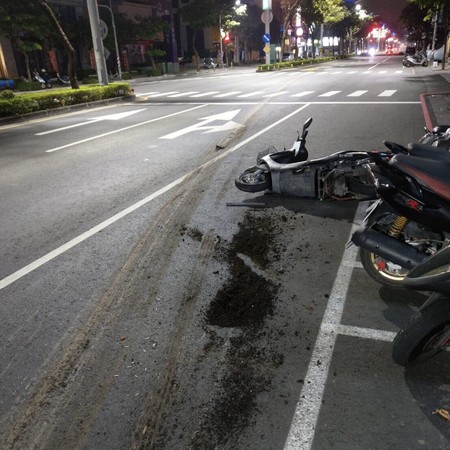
(97, 41)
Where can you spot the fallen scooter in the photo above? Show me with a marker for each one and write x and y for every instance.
(341, 176)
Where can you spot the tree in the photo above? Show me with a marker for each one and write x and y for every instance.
(69, 48)
(23, 24)
(313, 14)
(149, 28)
(202, 14)
(28, 24)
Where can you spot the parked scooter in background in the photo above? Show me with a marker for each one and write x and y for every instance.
(208, 63)
(418, 59)
(43, 78)
(63, 80)
(428, 331)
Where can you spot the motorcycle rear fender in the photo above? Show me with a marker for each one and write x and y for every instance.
(295, 179)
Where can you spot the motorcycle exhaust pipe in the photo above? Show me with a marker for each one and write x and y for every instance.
(388, 248)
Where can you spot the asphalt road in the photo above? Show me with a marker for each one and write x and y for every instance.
(147, 303)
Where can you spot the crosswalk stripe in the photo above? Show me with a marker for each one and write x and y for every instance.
(164, 93)
(227, 94)
(356, 94)
(204, 94)
(182, 93)
(302, 94)
(388, 93)
(329, 93)
(250, 94)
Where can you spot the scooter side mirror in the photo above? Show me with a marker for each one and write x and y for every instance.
(307, 123)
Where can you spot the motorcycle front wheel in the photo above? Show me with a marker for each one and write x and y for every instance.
(254, 179)
(425, 64)
(381, 270)
(427, 333)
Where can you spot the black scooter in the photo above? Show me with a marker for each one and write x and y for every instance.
(411, 219)
(428, 331)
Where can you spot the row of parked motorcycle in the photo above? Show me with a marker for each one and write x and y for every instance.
(404, 242)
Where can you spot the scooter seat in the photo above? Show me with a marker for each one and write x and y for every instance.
(429, 152)
(433, 175)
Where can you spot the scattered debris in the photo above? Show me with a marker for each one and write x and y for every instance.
(443, 413)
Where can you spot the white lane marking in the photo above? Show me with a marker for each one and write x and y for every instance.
(357, 94)
(275, 94)
(302, 94)
(162, 94)
(329, 94)
(116, 116)
(123, 129)
(227, 94)
(388, 93)
(82, 237)
(182, 94)
(204, 94)
(352, 71)
(306, 414)
(364, 333)
(147, 93)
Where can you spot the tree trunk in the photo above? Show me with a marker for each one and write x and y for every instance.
(70, 50)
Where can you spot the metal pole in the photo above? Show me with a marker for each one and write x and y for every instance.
(119, 68)
(220, 39)
(97, 42)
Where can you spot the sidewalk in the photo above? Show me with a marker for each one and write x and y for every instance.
(438, 103)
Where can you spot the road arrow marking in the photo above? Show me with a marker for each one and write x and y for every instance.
(228, 125)
(116, 116)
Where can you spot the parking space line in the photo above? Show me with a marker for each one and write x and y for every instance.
(365, 333)
(304, 423)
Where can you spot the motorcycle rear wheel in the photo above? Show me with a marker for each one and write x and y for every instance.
(381, 270)
(426, 334)
(254, 179)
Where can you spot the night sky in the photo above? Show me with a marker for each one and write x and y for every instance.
(389, 10)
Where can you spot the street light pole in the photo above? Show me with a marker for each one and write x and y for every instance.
(220, 40)
(97, 42)
(119, 68)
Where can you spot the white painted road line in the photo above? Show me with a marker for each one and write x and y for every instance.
(304, 423)
(204, 94)
(227, 94)
(388, 93)
(182, 94)
(357, 94)
(83, 141)
(161, 94)
(302, 94)
(86, 235)
(329, 94)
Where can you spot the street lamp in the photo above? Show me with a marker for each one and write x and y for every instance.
(119, 69)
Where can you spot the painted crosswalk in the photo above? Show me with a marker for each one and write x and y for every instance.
(261, 94)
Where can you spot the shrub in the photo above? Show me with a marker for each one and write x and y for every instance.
(55, 98)
(7, 93)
